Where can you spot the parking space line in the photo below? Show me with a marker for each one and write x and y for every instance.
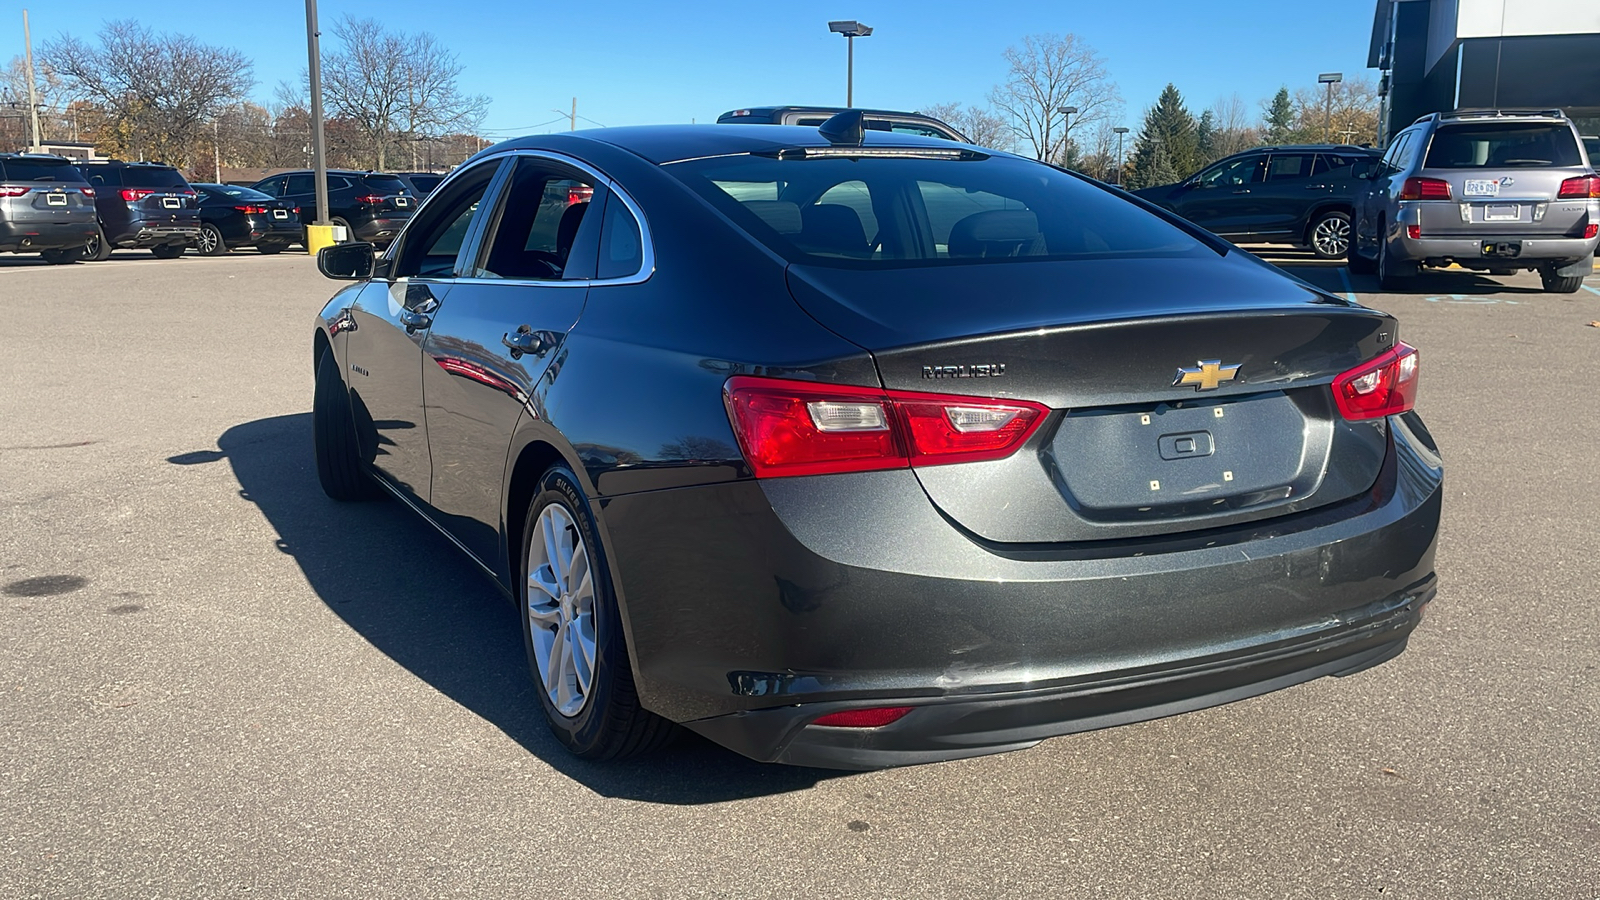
(1591, 289)
(1349, 292)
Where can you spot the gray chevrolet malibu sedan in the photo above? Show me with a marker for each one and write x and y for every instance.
(856, 449)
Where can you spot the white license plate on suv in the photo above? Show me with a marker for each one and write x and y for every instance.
(1482, 187)
(55, 199)
(1502, 212)
(171, 203)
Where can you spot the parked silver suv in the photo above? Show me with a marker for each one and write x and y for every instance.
(1491, 190)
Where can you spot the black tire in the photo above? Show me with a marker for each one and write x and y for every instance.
(339, 465)
(98, 248)
(270, 249)
(611, 724)
(1557, 284)
(1393, 274)
(167, 251)
(1358, 264)
(62, 257)
(349, 233)
(210, 242)
(1329, 235)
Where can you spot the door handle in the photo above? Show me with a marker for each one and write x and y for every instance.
(1317, 187)
(414, 320)
(526, 340)
(1242, 191)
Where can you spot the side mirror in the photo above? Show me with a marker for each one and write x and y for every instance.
(346, 262)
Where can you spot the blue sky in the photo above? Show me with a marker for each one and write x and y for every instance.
(647, 62)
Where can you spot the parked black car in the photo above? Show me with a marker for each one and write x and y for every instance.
(1301, 195)
(875, 450)
(419, 184)
(45, 207)
(372, 206)
(812, 116)
(141, 205)
(232, 216)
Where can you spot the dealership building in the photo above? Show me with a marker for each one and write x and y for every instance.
(1439, 55)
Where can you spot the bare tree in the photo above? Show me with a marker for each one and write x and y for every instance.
(392, 87)
(981, 125)
(1352, 118)
(1234, 126)
(156, 91)
(1048, 72)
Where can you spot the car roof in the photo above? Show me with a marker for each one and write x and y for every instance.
(671, 143)
(1345, 148)
(769, 110)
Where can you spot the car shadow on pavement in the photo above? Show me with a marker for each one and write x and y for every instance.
(410, 593)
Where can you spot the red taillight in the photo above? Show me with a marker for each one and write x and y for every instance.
(579, 194)
(252, 210)
(373, 199)
(1590, 231)
(1385, 386)
(875, 717)
(1580, 188)
(14, 191)
(803, 428)
(1414, 232)
(87, 192)
(135, 193)
(296, 210)
(1425, 189)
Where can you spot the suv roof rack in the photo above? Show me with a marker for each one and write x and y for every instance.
(1486, 113)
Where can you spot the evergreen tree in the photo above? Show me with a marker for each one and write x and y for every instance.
(1205, 138)
(1168, 147)
(1277, 125)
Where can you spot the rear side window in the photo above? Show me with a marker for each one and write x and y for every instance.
(621, 245)
(1510, 145)
(1289, 167)
(890, 212)
(384, 184)
(38, 170)
(152, 177)
(1334, 165)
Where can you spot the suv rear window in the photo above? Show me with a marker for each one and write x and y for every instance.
(875, 212)
(38, 170)
(1509, 145)
(152, 177)
(384, 184)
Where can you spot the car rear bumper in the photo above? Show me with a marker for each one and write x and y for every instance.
(1468, 250)
(754, 608)
(155, 235)
(29, 237)
(260, 230)
(379, 231)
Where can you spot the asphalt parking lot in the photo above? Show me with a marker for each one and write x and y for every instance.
(217, 682)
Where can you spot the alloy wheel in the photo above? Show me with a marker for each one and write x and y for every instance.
(208, 240)
(1331, 237)
(560, 609)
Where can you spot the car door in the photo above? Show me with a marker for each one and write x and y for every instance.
(300, 189)
(1222, 199)
(393, 318)
(1376, 194)
(1286, 194)
(521, 291)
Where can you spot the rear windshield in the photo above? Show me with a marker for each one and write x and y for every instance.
(152, 177)
(899, 212)
(386, 184)
(1503, 146)
(38, 170)
(426, 183)
(241, 193)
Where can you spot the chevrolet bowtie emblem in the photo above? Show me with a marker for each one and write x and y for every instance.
(1210, 374)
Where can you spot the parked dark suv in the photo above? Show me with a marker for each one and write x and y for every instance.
(876, 120)
(45, 206)
(371, 206)
(1301, 195)
(141, 205)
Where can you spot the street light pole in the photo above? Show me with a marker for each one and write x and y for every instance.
(1330, 79)
(851, 30)
(319, 154)
(33, 92)
(1119, 131)
(1066, 129)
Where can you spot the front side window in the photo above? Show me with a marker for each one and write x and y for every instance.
(539, 223)
(1500, 146)
(301, 183)
(926, 211)
(1246, 170)
(433, 240)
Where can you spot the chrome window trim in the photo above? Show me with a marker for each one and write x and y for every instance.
(647, 265)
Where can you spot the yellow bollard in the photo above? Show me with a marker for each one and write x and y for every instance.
(319, 236)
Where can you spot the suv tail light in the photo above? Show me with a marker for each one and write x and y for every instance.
(13, 191)
(1580, 188)
(373, 199)
(1385, 386)
(803, 428)
(135, 193)
(1425, 189)
(1590, 230)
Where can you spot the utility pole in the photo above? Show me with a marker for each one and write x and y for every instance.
(216, 152)
(33, 92)
(572, 122)
(1120, 131)
(319, 147)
